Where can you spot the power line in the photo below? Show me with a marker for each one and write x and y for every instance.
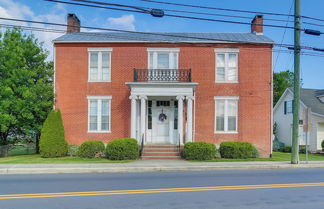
(145, 9)
(171, 15)
(230, 10)
(283, 36)
(155, 34)
(51, 30)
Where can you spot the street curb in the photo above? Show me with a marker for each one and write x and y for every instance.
(127, 169)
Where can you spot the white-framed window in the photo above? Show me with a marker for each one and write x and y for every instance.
(99, 64)
(226, 114)
(99, 114)
(163, 58)
(226, 65)
(288, 107)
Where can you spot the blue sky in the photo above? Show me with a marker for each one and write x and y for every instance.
(312, 68)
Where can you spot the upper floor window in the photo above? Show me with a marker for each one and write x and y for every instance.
(99, 113)
(226, 65)
(288, 107)
(226, 114)
(161, 58)
(99, 64)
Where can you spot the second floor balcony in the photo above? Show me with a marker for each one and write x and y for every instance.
(162, 75)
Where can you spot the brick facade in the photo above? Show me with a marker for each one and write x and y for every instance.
(253, 89)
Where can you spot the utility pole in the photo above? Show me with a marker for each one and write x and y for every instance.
(295, 139)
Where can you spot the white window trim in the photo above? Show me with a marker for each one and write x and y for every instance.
(165, 50)
(100, 51)
(225, 115)
(99, 98)
(226, 51)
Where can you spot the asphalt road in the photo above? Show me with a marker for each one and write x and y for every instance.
(282, 189)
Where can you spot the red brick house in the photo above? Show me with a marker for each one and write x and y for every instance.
(165, 88)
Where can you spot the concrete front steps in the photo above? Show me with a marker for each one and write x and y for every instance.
(161, 152)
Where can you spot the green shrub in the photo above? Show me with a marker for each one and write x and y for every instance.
(286, 149)
(255, 152)
(72, 150)
(91, 149)
(277, 145)
(237, 150)
(199, 151)
(322, 145)
(122, 149)
(302, 150)
(52, 139)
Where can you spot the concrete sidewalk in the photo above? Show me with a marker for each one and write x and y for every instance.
(148, 166)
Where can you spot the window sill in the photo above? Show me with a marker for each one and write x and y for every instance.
(90, 81)
(226, 82)
(99, 132)
(226, 132)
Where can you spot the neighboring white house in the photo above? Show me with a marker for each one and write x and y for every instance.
(283, 117)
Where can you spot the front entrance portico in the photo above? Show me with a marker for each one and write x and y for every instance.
(162, 113)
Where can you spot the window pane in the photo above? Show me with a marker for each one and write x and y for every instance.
(220, 114)
(175, 60)
(94, 59)
(220, 76)
(232, 60)
(232, 74)
(105, 123)
(220, 62)
(105, 59)
(219, 123)
(151, 60)
(232, 114)
(105, 107)
(105, 74)
(93, 107)
(163, 60)
(93, 123)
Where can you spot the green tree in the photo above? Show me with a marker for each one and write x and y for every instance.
(52, 139)
(281, 81)
(26, 87)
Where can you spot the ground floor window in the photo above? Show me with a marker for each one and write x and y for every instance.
(99, 113)
(226, 114)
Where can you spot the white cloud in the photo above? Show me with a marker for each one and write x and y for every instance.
(126, 22)
(57, 14)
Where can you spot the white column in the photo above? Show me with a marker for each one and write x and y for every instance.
(189, 118)
(143, 111)
(133, 115)
(180, 117)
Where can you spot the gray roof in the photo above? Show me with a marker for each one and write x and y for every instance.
(163, 37)
(310, 98)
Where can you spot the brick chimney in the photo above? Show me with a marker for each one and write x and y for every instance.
(73, 23)
(257, 25)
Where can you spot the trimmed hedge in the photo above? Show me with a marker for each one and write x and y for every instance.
(91, 149)
(322, 145)
(52, 140)
(72, 150)
(199, 151)
(122, 149)
(237, 150)
(287, 149)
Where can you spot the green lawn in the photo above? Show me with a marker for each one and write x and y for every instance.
(276, 156)
(25, 159)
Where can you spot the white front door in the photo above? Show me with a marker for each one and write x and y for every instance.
(162, 122)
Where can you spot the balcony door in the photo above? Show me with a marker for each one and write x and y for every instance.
(163, 64)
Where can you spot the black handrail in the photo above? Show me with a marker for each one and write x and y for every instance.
(142, 146)
(162, 75)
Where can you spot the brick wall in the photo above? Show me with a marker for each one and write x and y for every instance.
(253, 89)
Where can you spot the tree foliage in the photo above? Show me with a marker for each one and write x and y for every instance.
(281, 81)
(26, 87)
(52, 139)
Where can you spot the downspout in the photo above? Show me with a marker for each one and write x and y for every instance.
(54, 76)
(271, 108)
